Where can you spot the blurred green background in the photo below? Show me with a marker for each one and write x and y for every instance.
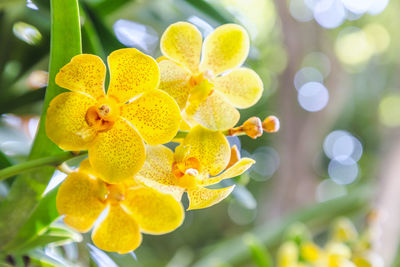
(331, 74)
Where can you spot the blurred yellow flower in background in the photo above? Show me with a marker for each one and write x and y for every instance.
(204, 89)
(202, 154)
(132, 209)
(87, 118)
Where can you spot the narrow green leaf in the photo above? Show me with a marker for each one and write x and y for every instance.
(218, 14)
(38, 222)
(54, 235)
(259, 253)
(233, 251)
(27, 190)
(4, 161)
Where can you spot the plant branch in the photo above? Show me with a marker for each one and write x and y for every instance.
(32, 164)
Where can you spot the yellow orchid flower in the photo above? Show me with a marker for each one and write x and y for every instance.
(109, 126)
(204, 89)
(288, 255)
(132, 209)
(202, 154)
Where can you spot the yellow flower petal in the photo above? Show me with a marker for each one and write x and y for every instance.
(237, 169)
(84, 73)
(117, 154)
(156, 213)
(182, 42)
(155, 115)
(119, 232)
(157, 171)
(81, 196)
(82, 224)
(131, 73)
(201, 198)
(225, 48)
(242, 87)
(175, 81)
(210, 148)
(65, 122)
(214, 113)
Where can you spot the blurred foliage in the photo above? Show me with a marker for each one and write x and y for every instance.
(363, 62)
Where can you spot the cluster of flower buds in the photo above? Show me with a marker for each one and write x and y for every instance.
(129, 173)
(345, 248)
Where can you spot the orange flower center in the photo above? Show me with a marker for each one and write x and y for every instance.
(102, 116)
(186, 172)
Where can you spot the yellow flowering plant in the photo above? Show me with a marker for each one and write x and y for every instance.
(345, 248)
(130, 183)
(206, 79)
(112, 126)
(197, 162)
(132, 209)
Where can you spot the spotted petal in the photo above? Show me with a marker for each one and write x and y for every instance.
(155, 115)
(157, 171)
(131, 73)
(225, 48)
(182, 43)
(242, 87)
(214, 113)
(174, 80)
(81, 196)
(209, 147)
(237, 169)
(119, 232)
(84, 73)
(155, 212)
(117, 154)
(201, 197)
(65, 122)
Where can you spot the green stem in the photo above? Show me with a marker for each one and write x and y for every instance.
(32, 164)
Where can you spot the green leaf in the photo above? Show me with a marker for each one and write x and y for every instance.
(232, 250)
(259, 253)
(4, 161)
(38, 222)
(218, 14)
(58, 235)
(27, 189)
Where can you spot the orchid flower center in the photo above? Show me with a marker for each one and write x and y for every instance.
(186, 172)
(202, 86)
(102, 116)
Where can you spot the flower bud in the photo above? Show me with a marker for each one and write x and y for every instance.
(253, 127)
(271, 124)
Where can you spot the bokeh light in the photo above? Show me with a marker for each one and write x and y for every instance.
(27, 33)
(329, 13)
(328, 189)
(352, 46)
(389, 110)
(357, 6)
(343, 170)
(377, 36)
(377, 6)
(305, 75)
(341, 144)
(267, 162)
(319, 61)
(240, 214)
(133, 34)
(300, 11)
(313, 96)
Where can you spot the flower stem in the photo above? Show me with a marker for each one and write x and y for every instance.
(32, 164)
